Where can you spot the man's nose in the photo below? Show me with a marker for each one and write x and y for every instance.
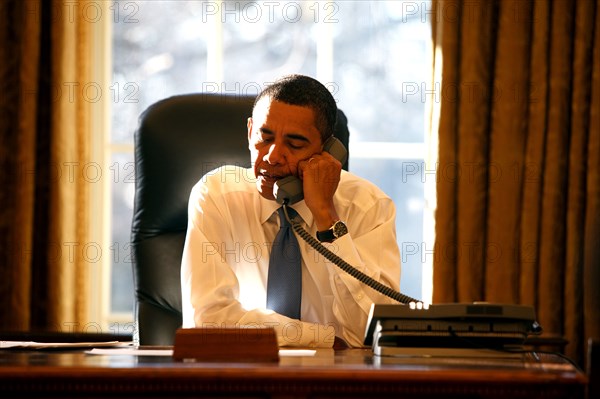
(276, 154)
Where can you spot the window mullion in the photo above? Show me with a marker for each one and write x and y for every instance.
(325, 56)
(100, 198)
(214, 49)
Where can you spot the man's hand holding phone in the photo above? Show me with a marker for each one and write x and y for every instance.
(317, 181)
(320, 175)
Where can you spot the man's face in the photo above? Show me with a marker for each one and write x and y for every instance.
(279, 136)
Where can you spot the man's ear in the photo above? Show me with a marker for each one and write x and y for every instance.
(249, 125)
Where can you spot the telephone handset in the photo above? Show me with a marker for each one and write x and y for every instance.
(290, 188)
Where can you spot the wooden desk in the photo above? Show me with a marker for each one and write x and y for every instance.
(342, 374)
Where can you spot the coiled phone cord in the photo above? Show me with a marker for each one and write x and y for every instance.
(348, 268)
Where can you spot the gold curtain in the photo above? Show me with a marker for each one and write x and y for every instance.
(44, 133)
(518, 216)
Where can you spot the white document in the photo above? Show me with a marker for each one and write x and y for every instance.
(130, 351)
(169, 352)
(66, 345)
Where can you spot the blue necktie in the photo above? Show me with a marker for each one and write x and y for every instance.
(284, 285)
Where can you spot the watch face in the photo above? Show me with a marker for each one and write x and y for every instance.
(339, 229)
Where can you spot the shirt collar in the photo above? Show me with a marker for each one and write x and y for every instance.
(268, 207)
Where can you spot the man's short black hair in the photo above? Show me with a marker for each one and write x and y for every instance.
(306, 92)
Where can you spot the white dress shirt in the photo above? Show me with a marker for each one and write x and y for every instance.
(226, 259)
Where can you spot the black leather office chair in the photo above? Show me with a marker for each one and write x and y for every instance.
(178, 140)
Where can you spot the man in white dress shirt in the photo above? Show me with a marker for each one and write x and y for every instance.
(233, 221)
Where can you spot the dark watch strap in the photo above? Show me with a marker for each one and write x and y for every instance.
(325, 236)
(336, 231)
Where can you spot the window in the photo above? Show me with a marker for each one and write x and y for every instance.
(372, 55)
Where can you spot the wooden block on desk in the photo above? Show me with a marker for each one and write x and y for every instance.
(226, 344)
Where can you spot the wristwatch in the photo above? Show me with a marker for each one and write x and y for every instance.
(336, 231)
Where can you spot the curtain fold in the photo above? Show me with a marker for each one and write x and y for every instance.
(446, 37)
(535, 148)
(591, 240)
(68, 222)
(551, 294)
(18, 74)
(522, 133)
(44, 132)
(580, 128)
(507, 136)
(475, 70)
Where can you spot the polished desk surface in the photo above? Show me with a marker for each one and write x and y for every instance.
(329, 373)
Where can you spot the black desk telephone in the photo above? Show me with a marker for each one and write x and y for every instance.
(290, 188)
